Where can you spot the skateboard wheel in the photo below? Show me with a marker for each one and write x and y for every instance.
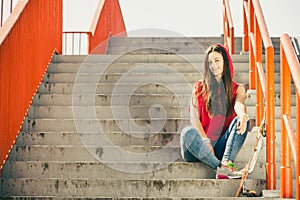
(250, 193)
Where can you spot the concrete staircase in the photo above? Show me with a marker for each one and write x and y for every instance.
(107, 126)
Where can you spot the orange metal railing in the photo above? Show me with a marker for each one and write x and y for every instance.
(289, 67)
(256, 33)
(28, 39)
(108, 21)
(228, 27)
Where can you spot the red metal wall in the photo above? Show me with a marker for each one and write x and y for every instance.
(109, 23)
(24, 56)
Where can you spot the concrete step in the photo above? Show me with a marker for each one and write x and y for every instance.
(144, 67)
(113, 138)
(129, 40)
(144, 58)
(129, 99)
(125, 67)
(108, 100)
(134, 126)
(159, 49)
(74, 138)
(125, 112)
(126, 188)
(108, 171)
(123, 88)
(113, 153)
(133, 77)
(198, 42)
(107, 112)
(146, 125)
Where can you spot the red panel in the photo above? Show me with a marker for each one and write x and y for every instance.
(109, 24)
(24, 57)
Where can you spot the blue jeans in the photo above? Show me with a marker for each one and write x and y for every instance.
(194, 149)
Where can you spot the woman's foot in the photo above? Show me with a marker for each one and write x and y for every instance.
(228, 171)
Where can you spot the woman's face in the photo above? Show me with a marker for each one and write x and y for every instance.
(216, 64)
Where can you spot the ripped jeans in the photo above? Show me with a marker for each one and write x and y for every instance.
(194, 149)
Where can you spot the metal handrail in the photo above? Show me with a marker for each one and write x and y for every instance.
(256, 33)
(228, 27)
(289, 67)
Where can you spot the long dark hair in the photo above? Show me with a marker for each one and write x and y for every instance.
(218, 95)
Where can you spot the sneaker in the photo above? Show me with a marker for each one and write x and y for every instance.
(228, 171)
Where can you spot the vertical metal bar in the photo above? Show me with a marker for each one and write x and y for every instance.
(89, 40)
(2, 10)
(232, 40)
(252, 48)
(73, 43)
(225, 25)
(258, 59)
(259, 99)
(11, 6)
(285, 169)
(251, 16)
(66, 41)
(297, 146)
(258, 42)
(252, 67)
(79, 43)
(245, 28)
(270, 120)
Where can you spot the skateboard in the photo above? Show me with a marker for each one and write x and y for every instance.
(249, 168)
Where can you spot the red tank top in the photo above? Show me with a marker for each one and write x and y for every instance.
(217, 125)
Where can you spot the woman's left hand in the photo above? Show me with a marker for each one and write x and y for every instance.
(242, 124)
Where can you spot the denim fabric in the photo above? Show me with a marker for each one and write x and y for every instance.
(194, 149)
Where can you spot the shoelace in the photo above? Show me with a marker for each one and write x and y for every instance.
(232, 167)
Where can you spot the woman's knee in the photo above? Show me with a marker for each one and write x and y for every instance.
(188, 132)
(188, 136)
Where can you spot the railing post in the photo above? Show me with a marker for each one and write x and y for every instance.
(1, 14)
(225, 25)
(252, 67)
(252, 48)
(270, 122)
(258, 59)
(286, 186)
(228, 28)
(298, 147)
(232, 45)
(245, 29)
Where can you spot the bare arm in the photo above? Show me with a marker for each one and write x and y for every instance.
(194, 118)
(240, 109)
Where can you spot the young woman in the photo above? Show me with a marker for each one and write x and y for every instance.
(219, 122)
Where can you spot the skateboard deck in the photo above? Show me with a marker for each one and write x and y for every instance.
(249, 168)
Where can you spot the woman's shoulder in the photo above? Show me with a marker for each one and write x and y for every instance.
(198, 85)
(235, 85)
